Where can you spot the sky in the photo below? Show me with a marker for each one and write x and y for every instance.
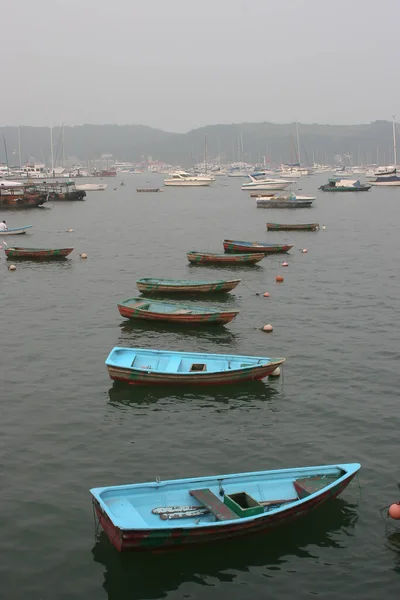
(179, 64)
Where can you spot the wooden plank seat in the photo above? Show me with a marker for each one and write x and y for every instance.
(173, 365)
(309, 485)
(214, 505)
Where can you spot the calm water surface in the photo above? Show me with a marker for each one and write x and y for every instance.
(65, 427)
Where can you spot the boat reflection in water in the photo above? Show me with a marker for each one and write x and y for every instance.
(137, 576)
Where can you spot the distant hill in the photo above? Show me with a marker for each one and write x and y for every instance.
(356, 144)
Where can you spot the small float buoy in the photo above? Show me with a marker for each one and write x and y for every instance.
(69, 230)
(12, 268)
(83, 255)
(394, 511)
(268, 328)
(323, 227)
(279, 278)
(276, 373)
(304, 251)
(266, 295)
(285, 264)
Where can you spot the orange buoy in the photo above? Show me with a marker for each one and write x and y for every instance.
(279, 278)
(394, 511)
(285, 264)
(266, 295)
(268, 328)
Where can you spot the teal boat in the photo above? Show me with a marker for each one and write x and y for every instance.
(150, 285)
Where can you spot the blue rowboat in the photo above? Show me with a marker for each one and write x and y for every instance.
(142, 366)
(166, 515)
(15, 230)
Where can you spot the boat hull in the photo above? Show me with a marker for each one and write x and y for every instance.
(231, 246)
(222, 378)
(292, 227)
(193, 183)
(22, 202)
(266, 203)
(160, 287)
(199, 258)
(384, 184)
(161, 539)
(37, 253)
(15, 231)
(182, 314)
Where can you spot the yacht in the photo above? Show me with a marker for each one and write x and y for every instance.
(259, 181)
(181, 178)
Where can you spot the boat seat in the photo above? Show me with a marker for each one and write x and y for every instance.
(221, 511)
(309, 485)
(173, 365)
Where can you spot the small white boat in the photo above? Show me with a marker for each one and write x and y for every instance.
(181, 178)
(259, 181)
(91, 187)
(15, 230)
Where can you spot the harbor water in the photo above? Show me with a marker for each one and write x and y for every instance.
(65, 427)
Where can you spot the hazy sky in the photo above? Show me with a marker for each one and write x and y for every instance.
(180, 64)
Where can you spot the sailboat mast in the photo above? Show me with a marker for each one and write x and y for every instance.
(298, 143)
(394, 141)
(19, 147)
(63, 147)
(205, 152)
(51, 150)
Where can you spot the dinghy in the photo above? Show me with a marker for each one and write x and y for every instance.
(292, 226)
(172, 312)
(174, 514)
(150, 285)
(37, 253)
(15, 230)
(238, 246)
(141, 366)
(209, 258)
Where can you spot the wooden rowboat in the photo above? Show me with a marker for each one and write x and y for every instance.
(149, 190)
(173, 312)
(208, 258)
(15, 230)
(239, 246)
(174, 514)
(150, 285)
(37, 253)
(138, 366)
(292, 226)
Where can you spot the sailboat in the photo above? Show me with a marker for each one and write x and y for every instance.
(295, 170)
(387, 176)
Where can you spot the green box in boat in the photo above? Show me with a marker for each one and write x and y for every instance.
(243, 504)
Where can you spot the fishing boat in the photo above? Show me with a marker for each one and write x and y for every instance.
(61, 191)
(15, 230)
(179, 513)
(37, 253)
(21, 196)
(172, 312)
(210, 258)
(239, 246)
(292, 226)
(285, 201)
(344, 185)
(150, 285)
(148, 367)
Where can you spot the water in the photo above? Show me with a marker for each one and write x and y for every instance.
(65, 428)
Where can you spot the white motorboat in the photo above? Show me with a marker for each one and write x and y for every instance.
(181, 178)
(91, 187)
(259, 181)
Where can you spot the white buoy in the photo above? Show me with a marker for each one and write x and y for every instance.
(276, 373)
(323, 227)
(268, 328)
(83, 255)
(304, 251)
(69, 230)
(12, 268)
(266, 295)
(285, 264)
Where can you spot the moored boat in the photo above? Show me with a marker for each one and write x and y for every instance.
(91, 187)
(289, 201)
(181, 178)
(173, 312)
(150, 285)
(15, 230)
(344, 185)
(149, 190)
(21, 196)
(37, 253)
(210, 258)
(172, 514)
(240, 246)
(140, 366)
(385, 180)
(292, 226)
